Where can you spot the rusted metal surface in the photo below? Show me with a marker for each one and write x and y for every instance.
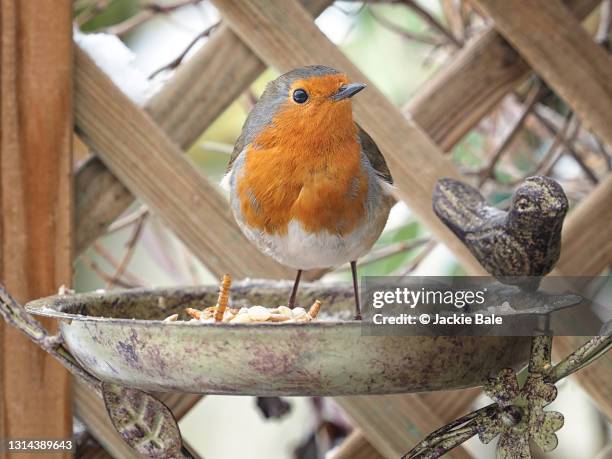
(144, 423)
(328, 357)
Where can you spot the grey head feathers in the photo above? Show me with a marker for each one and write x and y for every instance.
(276, 94)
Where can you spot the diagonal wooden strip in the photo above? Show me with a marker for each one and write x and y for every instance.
(393, 424)
(288, 38)
(197, 94)
(586, 251)
(554, 43)
(460, 94)
(587, 236)
(356, 446)
(150, 165)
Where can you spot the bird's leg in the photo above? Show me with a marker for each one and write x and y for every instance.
(295, 289)
(356, 288)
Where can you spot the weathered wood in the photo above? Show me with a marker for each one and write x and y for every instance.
(100, 199)
(286, 38)
(36, 206)
(587, 251)
(356, 446)
(554, 43)
(475, 80)
(587, 236)
(393, 424)
(195, 96)
(151, 166)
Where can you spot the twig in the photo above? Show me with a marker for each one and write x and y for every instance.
(217, 147)
(567, 143)
(433, 22)
(148, 11)
(179, 59)
(534, 95)
(88, 13)
(416, 261)
(421, 38)
(605, 23)
(103, 275)
(128, 220)
(389, 251)
(131, 278)
(248, 100)
(454, 18)
(601, 148)
(130, 248)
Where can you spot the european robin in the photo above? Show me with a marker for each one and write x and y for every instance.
(307, 185)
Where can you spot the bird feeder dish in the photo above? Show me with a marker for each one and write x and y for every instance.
(120, 337)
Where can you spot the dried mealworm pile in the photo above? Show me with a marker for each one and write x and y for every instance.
(254, 314)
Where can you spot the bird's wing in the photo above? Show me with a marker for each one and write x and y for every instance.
(461, 207)
(238, 147)
(377, 160)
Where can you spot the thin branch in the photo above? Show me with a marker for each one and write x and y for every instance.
(488, 171)
(148, 11)
(416, 261)
(130, 248)
(568, 145)
(103, 275)
(179, 59)
(433, 22)
(217, 147)
(128, 220)
(388, 251)
(605, 23)
(602, 150)
(129, 277)
(454, 18)
(552, 154)
(420, 38)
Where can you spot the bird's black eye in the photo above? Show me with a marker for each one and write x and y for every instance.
(300, 96)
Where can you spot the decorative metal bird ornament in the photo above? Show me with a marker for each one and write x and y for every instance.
(518, 246)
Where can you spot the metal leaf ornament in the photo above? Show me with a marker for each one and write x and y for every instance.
(144, 423)
(521, 417)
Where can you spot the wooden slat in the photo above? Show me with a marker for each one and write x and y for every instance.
(151, 166)
(356, 446)
(556, 46)
(475, 80)
(287, 38)
(393, 424)
(36, 206)
(197, 94)
(587, 251)
(587, 235)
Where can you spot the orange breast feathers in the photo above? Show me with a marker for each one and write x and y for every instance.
(308, 170)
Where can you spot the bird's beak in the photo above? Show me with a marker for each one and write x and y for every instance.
(348, 90)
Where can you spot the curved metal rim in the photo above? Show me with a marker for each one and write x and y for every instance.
(47, 307)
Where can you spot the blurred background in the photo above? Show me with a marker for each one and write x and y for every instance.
(398, 45)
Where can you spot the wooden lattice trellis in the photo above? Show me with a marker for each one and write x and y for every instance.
(134, 147)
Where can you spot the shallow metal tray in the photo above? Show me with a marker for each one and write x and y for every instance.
(119, 337)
